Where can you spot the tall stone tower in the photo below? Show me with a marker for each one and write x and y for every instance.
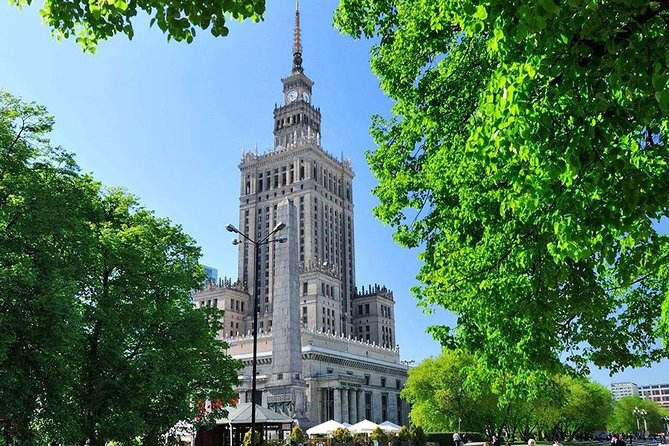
(320, 186)
(325, 350)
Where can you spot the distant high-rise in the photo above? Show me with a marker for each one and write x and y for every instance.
(624, 389)
(325, 349)
(656, 392)
(211, 274)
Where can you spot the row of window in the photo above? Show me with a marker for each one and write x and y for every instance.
(209, 303)
(297, 118)
(285, 175)
(237, 305)
(364, 310)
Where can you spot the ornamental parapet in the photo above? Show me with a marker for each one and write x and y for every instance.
(315, 265)
(350, 340)
(374, 290)
(224, 283)
(301, 140)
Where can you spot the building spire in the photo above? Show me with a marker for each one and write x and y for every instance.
(297, 44)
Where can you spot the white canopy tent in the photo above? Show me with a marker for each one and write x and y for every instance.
(389, 426)
(325, 428)
(363, 427)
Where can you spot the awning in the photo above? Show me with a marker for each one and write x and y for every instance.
(324, 428)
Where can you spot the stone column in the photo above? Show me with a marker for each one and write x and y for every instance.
(392, 408)
(344, 406)
(354, 407)
(376, 407)
(337, 405)
(287, 341)
(361, 405)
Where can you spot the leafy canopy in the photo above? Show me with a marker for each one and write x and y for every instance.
(526, 156)
(93, 21)
(623, 418)
(99, 339)
(342, 435)
(449, 392)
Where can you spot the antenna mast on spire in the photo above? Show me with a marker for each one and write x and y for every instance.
(297, 45)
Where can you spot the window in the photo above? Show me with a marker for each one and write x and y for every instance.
(384, 406)
(399, 409)
(383, 384)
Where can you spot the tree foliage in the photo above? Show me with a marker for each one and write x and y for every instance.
(623, 419)
(99, 339)
(379, 435)
(448, 391)
(257, 437)
(526, 156)
(44, 203)
(91, 22)
(297, 435)
(438, 394)
(342, 435)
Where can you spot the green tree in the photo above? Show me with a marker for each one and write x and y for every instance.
(575, 408)
(623, 418)
(379, 435)
(44, 237)
(342, 435)
(404, 434)
(92, 22)
(247, 438)
(418, 435)
(526, 157)
(99, 339)
(452, 386)
(438, 393)
(149, 355)
(588, 406)
(297, 435)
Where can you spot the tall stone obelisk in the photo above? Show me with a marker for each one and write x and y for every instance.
(286, 385)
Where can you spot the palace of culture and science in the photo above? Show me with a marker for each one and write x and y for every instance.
(326, 349)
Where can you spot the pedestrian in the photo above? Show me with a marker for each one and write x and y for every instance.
(495, 441)
(556, 442)
(620, 441)
(457, 440)
(531, 442)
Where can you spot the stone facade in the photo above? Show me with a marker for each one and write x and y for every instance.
(325, 349)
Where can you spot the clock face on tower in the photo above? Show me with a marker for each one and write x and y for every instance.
(291, 95)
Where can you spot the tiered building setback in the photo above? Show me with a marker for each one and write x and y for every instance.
(326, 350)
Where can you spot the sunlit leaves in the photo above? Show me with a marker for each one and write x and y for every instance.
(456, 387)
(99, 339)
(527, 157)
(92, 21)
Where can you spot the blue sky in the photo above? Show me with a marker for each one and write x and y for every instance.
(169, 121)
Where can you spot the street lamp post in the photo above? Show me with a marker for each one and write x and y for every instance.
(641, 414)
(256, 291)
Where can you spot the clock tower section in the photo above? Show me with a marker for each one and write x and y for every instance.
(296, 119)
